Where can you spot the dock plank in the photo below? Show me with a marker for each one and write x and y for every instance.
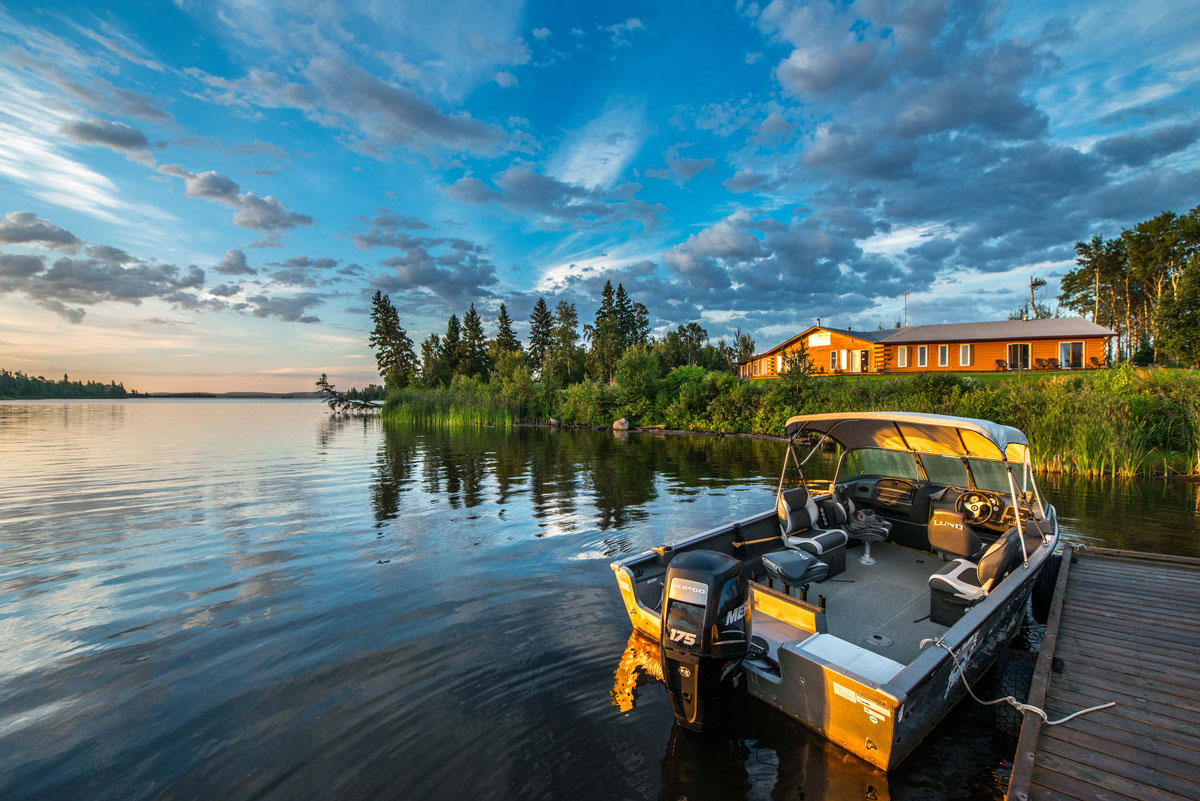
(1123, 629)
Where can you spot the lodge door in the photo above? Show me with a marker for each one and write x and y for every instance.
(1018, 356)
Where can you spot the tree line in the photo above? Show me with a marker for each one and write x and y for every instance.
(1144, 284)
(22, 385)
(559, 351)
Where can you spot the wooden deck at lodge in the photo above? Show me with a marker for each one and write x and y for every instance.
(1126, 628)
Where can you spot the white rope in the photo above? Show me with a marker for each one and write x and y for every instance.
(1020, 707)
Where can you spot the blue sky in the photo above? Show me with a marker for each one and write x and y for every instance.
(205, 194)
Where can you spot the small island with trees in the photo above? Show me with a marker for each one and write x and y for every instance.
(20, 386)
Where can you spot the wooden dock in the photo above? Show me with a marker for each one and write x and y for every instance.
(1123, 627)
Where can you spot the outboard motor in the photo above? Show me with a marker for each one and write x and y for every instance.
(703, 638)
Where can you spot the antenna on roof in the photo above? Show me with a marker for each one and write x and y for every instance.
(906, 293)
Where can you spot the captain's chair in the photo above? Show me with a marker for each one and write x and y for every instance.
(798, 518)
(863, 525)
(961, 584)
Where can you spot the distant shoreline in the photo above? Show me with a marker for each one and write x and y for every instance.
(187, 395)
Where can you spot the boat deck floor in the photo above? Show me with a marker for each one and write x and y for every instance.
(889, 599)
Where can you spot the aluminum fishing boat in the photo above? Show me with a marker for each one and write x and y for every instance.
(856, 610)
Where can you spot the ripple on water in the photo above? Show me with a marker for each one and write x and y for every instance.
(251, 600)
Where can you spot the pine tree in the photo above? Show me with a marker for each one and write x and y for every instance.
(626, 317)
(641, 325)
(541, 325)
(506, 339)
(394, 356)
(452, 350)
(605, 337)
(474, 346)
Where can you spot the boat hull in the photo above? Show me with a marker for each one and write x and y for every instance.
(879, 722)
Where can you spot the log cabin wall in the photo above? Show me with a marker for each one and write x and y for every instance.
(851, 352)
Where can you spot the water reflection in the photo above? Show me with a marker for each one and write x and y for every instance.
(757, 752)
(253, 600)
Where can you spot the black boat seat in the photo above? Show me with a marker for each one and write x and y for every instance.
(860, 525)
(798, 517)
(961, 584)
(950, 534)
(794, 567)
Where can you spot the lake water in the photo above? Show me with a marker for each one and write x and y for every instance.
(254, 600)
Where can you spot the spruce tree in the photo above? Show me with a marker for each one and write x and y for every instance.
(452, 355)
(394, 356)
(605, 337)
(641, 325)
(626, 318)
(506, 339)
(474, 346)
(541, 325)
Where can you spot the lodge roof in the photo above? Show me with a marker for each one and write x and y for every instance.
(1000, 329)
(1052, 327)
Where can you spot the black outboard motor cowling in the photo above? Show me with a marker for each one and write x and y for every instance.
(703, 638)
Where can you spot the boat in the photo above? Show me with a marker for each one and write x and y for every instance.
(860, 607)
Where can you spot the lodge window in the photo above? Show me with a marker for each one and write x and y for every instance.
(922, 356)
(943, 355)
(1070, 355)
(902, 356)
(833, 362)
(964, 355)
(779, 362)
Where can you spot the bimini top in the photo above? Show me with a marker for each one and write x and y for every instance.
(911, 431)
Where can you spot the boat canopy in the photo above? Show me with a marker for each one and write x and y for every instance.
(912, 431)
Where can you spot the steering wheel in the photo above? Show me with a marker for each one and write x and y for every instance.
(976, 507)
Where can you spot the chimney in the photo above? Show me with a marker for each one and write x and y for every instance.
(818, 322)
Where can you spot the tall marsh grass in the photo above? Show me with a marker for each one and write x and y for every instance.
(1120, 422)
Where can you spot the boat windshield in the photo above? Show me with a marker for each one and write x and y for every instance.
(876, 462)
(991, 476)
(947, 471)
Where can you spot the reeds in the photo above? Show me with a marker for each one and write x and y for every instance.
(1119, 422)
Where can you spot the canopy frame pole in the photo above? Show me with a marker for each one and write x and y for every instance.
(1037, 492)
(1012, 485)
(783, 473)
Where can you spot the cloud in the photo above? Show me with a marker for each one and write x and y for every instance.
(747, 180)
(96, 131)
(25, 227)
(253, 212)
(338, 94)
(536, 196)
(596, 155)
(621, 30)
(506, 79)
(224, 290)
(679, 169)
(541, 33)
(290, 309)
(1137, 149)
(106, 274)
(234, 263)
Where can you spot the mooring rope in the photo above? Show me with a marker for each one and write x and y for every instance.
(1020, 707)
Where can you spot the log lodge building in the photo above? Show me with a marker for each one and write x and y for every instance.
(1057, 343)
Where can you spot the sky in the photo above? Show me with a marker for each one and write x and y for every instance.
(205, 195)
